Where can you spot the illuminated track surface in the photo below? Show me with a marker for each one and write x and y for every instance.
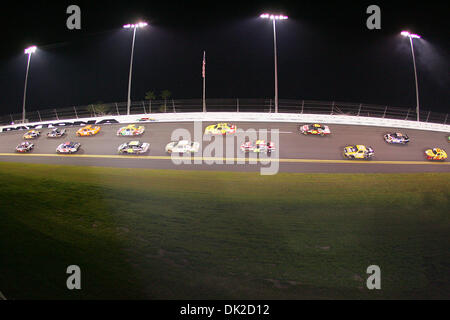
(297, 153)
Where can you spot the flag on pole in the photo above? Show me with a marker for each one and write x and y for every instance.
(204, 64)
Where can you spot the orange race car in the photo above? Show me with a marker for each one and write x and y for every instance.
(88, 131)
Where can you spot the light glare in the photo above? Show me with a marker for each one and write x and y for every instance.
(136, 25)
(412, 35)
(273, 17)
(30, 50)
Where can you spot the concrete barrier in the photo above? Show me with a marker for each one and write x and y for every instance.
(235, 117)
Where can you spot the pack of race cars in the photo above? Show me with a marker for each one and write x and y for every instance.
(184, 146)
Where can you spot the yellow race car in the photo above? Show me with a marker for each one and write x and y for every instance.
(436, 154)
(358, 152)
(221, 128)
(131, 130)
(32, 134)
(88, 131)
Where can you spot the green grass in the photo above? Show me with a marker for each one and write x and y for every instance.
(161, 234)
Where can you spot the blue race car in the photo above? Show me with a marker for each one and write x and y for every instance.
(396, 138)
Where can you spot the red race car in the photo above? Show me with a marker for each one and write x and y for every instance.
(315, 129)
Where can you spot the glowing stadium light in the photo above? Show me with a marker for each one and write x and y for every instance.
(412, 36)
(30, 50)
(134, 27)
(274, 18)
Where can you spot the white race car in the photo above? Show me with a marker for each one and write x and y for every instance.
(133, 147)
(25, 147)
(182, 146)
(56, 133)
(68, 147)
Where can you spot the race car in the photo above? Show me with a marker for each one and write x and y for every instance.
(88, 131)
(68, 147)
(131, 130)
(396, 138)
(182, 146)
(25, 147)
(358, 152)
(258, 147)
(56, 133)
(221, 128)
(145, 119)
(133, 147)
(436, 154)
(315, 129)
(32, 134)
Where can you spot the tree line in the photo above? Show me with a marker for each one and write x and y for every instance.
(101, 109)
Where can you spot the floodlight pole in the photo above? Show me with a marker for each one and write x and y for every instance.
(415, 77)
(25, 89)
(28, 51)
(134, 27)
(275, 57)
(276, 66)
(411, 36)
(131, 71)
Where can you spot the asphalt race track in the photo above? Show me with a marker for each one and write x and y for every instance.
(295, 152)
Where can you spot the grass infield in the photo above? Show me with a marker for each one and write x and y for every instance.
(169, 234)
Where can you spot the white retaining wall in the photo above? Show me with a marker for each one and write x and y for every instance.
(246, 116)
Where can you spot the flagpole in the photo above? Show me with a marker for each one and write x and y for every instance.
(204, 81)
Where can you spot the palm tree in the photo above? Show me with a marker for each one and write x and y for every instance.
(99, 109)
(150, 95)
(165, 94)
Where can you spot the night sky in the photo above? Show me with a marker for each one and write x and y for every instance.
(325, 52)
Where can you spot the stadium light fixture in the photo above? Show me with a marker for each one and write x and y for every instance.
(134, 27)
(274, 18)
(412, 36)
(29, 51)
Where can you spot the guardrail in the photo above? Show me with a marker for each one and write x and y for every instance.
(227, 105)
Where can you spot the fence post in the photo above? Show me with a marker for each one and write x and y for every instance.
(270, 106)
(237, 105)
(117, 109)
(150, 105)
(303, 106)
(39, 114)
(407, 115)
(332, 108)
(56, 113)
(446, 116)
(173, 106)
(359, 110)
(428, 115)
(384, 114)
(74, 109)
(143, 105)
